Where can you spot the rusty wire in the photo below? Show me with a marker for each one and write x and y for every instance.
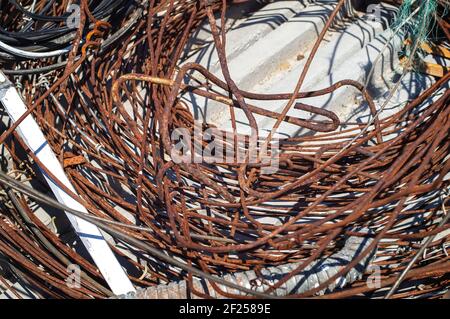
(108, 114)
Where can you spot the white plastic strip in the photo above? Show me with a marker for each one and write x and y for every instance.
(90, 235)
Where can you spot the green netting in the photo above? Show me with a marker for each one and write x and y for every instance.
(420, 27)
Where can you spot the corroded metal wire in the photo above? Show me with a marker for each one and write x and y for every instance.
(109, 113)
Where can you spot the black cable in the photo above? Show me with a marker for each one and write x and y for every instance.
(43, 69)
(47, 6)
(103, 9)
(63, 40)
(50, 32)
(37, 16)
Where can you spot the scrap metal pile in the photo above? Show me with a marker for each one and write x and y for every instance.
(351, 208)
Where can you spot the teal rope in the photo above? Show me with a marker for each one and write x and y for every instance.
(422, 25)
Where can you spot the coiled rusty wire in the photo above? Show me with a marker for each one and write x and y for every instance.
(109, 112)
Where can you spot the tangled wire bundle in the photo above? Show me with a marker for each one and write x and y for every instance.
(108, 110)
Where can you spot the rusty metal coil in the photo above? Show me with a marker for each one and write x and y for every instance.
(108, 113)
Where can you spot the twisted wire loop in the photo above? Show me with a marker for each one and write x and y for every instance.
(109, 108)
